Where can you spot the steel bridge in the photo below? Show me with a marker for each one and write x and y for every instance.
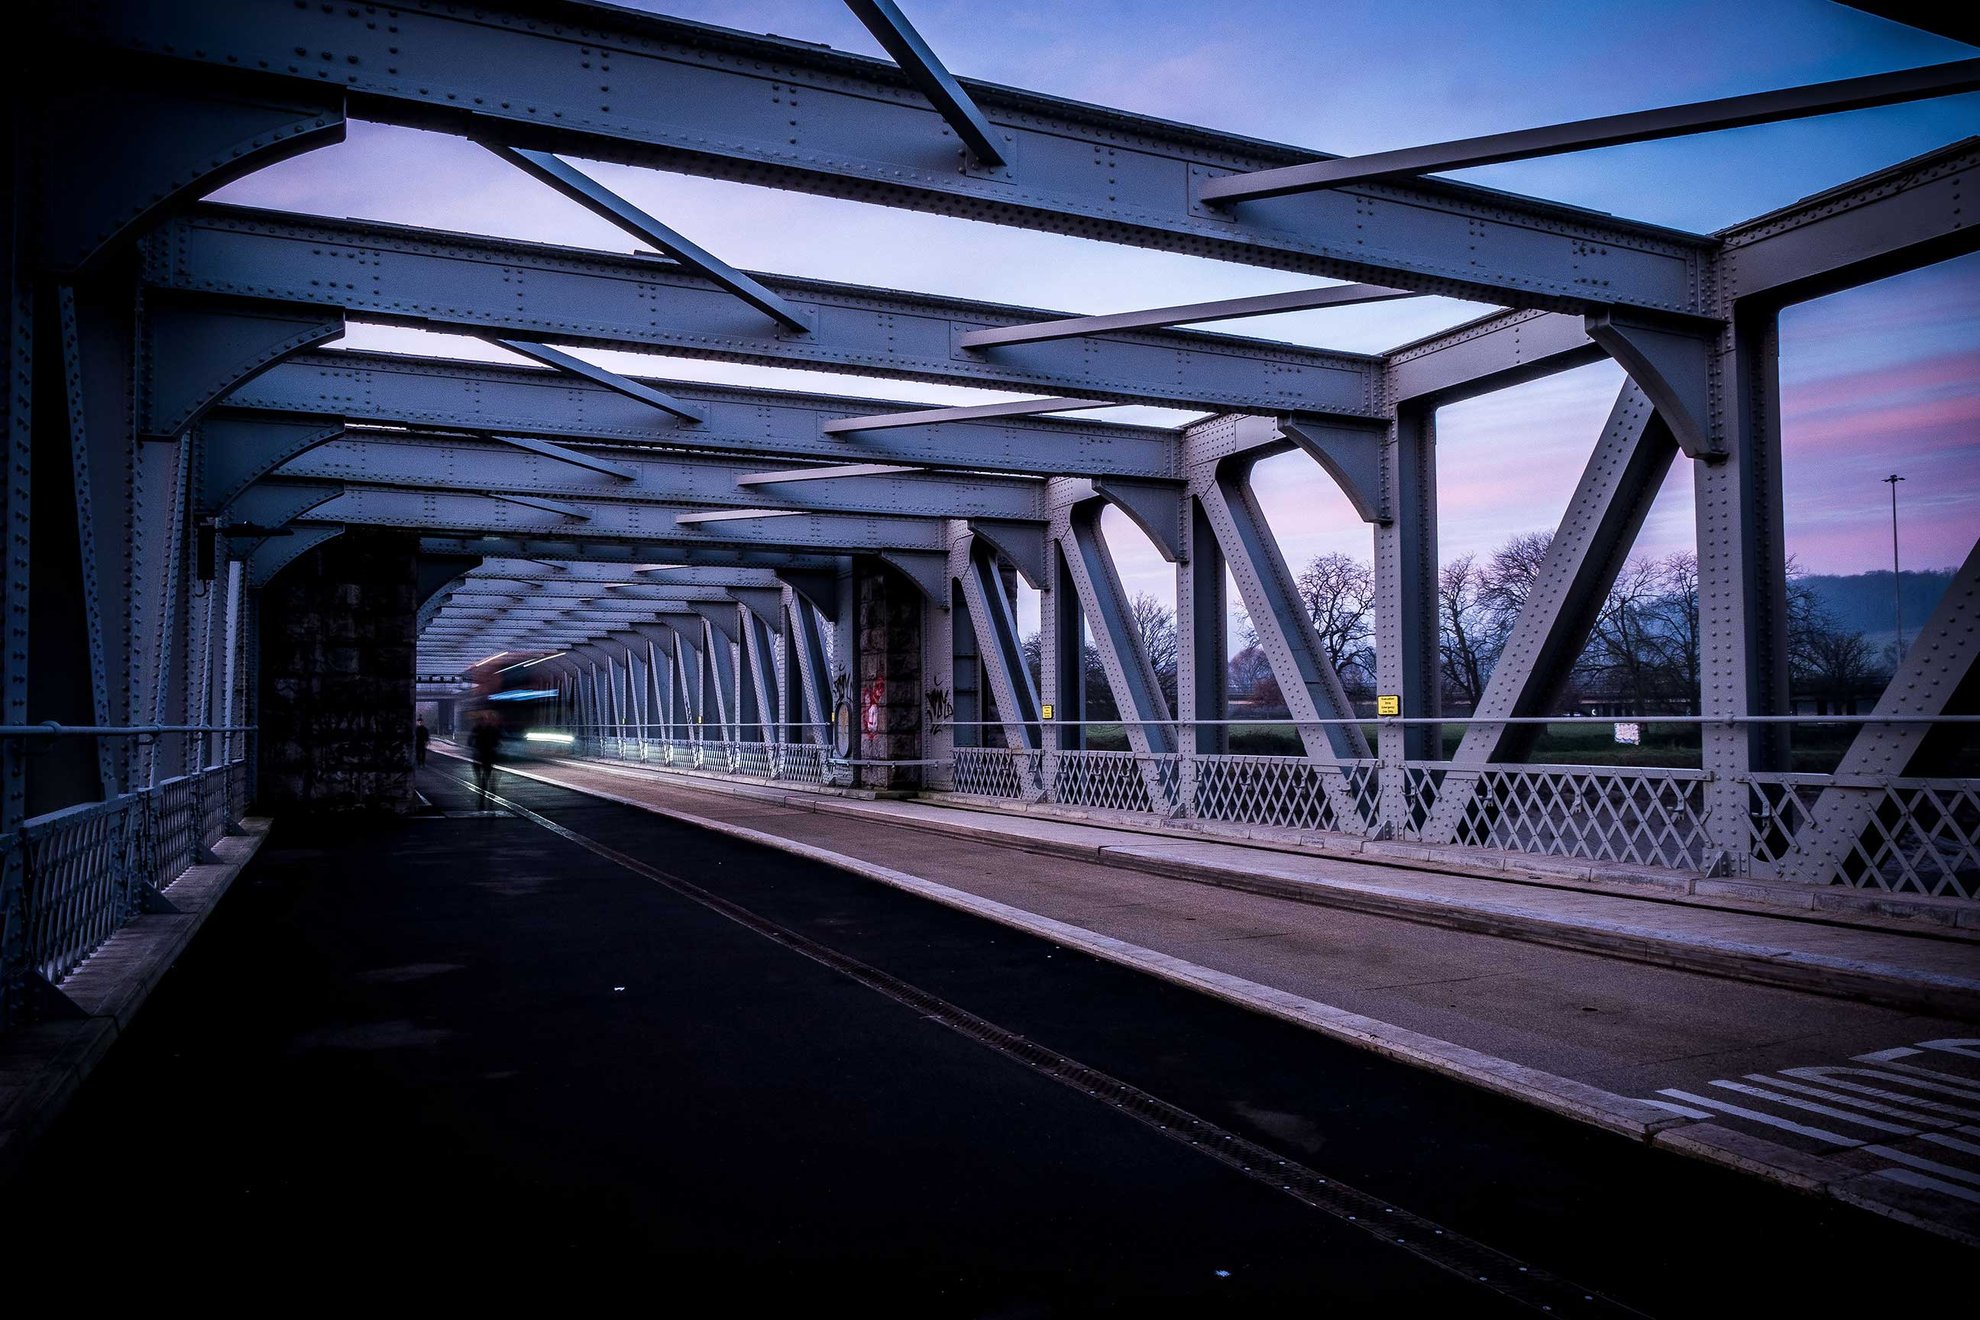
(201, 502)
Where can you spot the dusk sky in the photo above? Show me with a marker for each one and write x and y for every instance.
(1877, 380)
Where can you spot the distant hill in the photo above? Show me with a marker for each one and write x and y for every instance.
(1861, 602)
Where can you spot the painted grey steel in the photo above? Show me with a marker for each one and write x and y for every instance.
(1490, 353)
(691, 98)
(890, 27)
(611, 380)
(838, 472)
(1608, 131)
(1940, 661)
(1158, 318)
(973, 413)
(1311, 689)
(602, 201)
(472, 285)
(419, 461)
(1091, 573)
(652, 524)
(562, 547)
(461, 396)
(1632, 457)
(1000, 650)
(1909, 215)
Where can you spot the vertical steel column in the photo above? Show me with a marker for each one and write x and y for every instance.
(1620, 482)
(1407, 661)
(1000, 651)
(807, 641)
(1202, 637)
(1742, 579)
(14, 583)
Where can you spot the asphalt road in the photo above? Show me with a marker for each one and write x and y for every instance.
(468, 1055)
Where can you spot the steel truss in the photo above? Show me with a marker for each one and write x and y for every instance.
(686, 555)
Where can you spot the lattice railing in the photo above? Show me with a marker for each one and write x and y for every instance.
(999, 772)
(1289, 791)
(1648, 817)
(85, 867)
(1922, 836)
(1117, 781)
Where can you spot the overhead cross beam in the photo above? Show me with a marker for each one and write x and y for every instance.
(703, 100)
(474, 285)
(419, 461)
(1606, 131)
(765, 424)
(611, 380)
(972, 413)
(889, 26)
(1158, 318)
(602, 201)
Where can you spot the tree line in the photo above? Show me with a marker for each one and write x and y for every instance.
(1642, 654)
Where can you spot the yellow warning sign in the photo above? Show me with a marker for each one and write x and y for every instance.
(1388, 704)
(1047, 712)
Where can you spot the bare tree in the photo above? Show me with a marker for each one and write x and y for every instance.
(1510, 574)
(1467, 629)
(1155, 624)
(1339, 595)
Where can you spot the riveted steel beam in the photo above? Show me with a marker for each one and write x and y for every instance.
(470, 514)
(472, 285)
(559, 548)
(1219, 483)
(1608, 131)
(1624, 472)
(1158, 318)
(1490, 353)
(973, 413)
(602, 201)
(638, 391)
(193, 350)
(1910, 215)
(890, 27)
(461, 396)
(758, 109)
(1935, 669)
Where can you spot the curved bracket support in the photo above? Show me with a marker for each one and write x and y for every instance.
(1155, 507)
(1021, 543)
(1352, 456)
(1673, 367)
(278, 552)
(926, 570)
(117, 149)
(190, 352)
(277, 506)
(234, 451)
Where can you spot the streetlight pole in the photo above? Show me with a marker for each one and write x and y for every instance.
(1897, 583)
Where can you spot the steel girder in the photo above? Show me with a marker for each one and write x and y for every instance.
(1088, 571)
(647, 524)
(1222, 497)
(1937, 667)
(474, 397)
(433, 462)
(708, 101)
(1898, 219)
(1624, 473)
(474, 285)
(525, 545)
(999, 649)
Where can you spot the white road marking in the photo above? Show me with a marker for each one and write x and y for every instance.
(1920, 1162)
(1820, 1134)
(1831, 1077)
(1802, 1088)
(1875, 1125)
